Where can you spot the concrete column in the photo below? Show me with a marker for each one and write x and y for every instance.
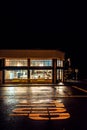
(2, 71)
(28, 70)
(54, 71)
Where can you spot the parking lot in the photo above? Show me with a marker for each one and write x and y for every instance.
(43, 107)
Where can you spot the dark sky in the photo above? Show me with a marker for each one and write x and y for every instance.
(46, 25)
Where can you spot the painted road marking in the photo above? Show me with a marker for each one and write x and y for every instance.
(49, 112)
(80, 89)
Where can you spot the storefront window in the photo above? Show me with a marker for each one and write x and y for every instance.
(40, 74)
(16, 62)
(16, 74)
(40, 62)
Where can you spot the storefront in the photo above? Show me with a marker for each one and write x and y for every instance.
(31, 66)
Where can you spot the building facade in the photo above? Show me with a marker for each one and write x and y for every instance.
(31, 66)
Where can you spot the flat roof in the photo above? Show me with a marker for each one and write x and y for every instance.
(32, 54)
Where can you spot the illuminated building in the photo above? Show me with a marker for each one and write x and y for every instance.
(31, 66)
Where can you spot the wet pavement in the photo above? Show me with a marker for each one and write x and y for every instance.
(43, 107)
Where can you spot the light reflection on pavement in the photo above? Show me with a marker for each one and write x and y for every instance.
(41, 103)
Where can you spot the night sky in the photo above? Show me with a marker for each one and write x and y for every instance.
(47, 25)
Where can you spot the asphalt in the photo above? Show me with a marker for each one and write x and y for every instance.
(43, 107)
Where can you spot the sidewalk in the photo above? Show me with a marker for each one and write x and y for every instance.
(25, 85)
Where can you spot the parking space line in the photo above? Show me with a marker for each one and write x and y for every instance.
(80, 89)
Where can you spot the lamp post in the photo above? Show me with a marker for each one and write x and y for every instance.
(69, 61)
(67, 68)
(76, 71)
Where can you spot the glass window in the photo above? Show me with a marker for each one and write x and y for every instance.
(16, 62)
(40, 74)
(59, 63)
(40, 62)
(16, 74)
(60, 74)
